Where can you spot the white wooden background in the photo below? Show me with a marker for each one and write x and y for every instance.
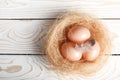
(24, 24)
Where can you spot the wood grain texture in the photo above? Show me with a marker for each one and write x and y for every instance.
(23, 36)
(37, 68)
(29, 36)
(51, 8)
(20, 36)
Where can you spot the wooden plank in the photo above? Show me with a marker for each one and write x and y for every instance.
(23, 36)
(38, 68)
(51, 8)
(28, 36)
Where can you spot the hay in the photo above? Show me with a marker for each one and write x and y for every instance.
(58, 35)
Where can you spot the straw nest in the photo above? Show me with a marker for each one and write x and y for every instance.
(58, 35)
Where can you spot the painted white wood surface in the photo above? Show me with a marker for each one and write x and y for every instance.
(51, 8)
(23, 36)
(37, 68)
(28, 37)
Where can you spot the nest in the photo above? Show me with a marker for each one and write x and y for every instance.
(58, 35)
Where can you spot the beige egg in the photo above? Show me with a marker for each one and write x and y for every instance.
(78, 34)
(69, 52)
(92, 53)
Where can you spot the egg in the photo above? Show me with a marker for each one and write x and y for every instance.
(92, 53)
(69, 51)
(78, 34)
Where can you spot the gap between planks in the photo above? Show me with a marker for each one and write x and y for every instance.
(50, 18)
(45, 54)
